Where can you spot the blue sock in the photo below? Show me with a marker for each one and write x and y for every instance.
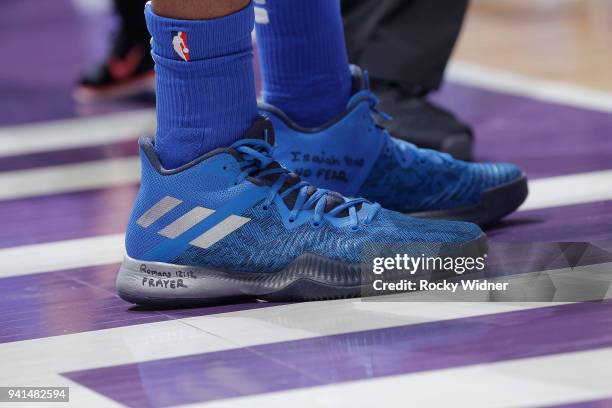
(303, 58)
(205, 87)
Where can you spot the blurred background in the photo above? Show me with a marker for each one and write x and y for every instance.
(48, 45)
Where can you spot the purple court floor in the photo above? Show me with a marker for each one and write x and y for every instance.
(64, 325)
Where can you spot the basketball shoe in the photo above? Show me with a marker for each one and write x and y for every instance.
(127, 71)
(355, 156)
(234, 224)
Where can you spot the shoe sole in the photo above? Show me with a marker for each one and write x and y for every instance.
(308, 278)
(495, 203)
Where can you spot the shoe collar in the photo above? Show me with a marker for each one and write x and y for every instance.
(360, 93)
(261, 129)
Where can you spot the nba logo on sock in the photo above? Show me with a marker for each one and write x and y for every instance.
(179, 41)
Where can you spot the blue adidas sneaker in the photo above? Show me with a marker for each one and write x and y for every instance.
(234, 224)
(355, 156)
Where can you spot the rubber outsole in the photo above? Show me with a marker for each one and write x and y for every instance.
(494, 204)
(307, 278)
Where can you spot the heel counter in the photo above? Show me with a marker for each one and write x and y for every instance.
(135, 236)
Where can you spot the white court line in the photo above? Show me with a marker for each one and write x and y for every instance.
(538, 381)
(38, 361)
(54, 355)
(569, 189)
(61, 255)
(73, 133)
(152, 341)
(69, 178)
(540, 89)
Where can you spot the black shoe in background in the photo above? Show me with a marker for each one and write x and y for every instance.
(128, 71)
(421, 122)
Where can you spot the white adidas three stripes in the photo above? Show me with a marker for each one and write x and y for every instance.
(189, 220)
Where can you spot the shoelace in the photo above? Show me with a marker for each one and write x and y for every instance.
(373, 101)
(257, 156)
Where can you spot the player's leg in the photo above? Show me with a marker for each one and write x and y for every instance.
(405, 46)
(352, 153)
(302, 52)
(197, 9)
(205, 90)
(216, 217)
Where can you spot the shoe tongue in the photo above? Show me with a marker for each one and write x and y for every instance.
(261, 129)
(332, 200)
